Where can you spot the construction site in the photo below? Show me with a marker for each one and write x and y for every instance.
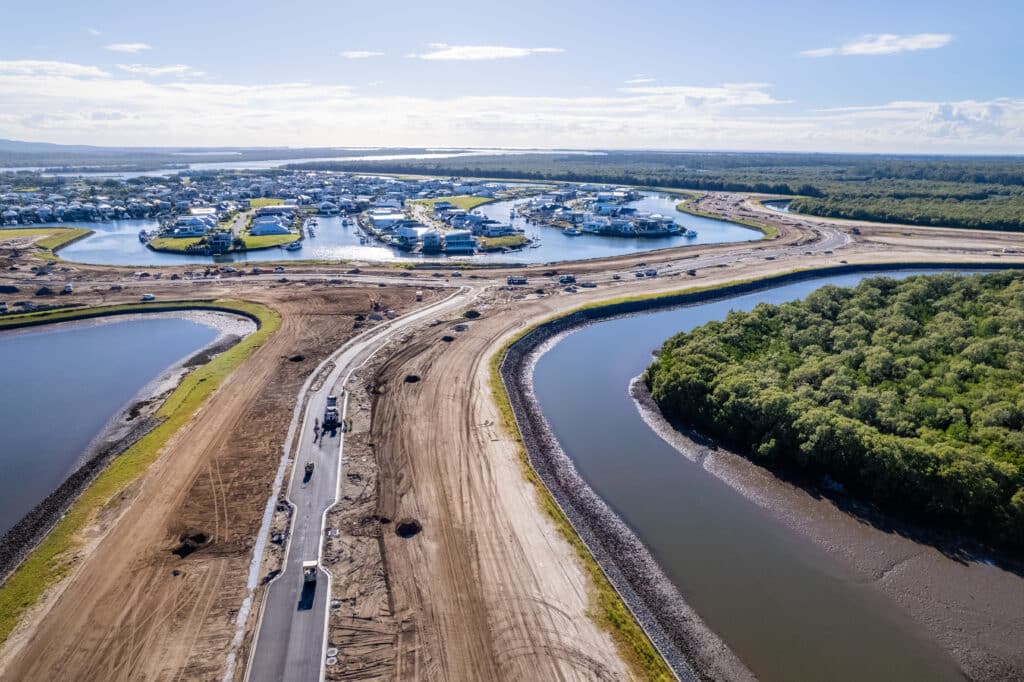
(355, 501)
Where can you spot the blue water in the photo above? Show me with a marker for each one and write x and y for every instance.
(62, 384)
(117, 242)
(785, 606)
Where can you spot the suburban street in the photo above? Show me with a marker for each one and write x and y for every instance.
(291, 633)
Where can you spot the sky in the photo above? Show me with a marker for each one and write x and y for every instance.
(870, 76)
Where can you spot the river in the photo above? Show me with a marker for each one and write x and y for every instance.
(63, 385)
(117, 243)
(789, 610)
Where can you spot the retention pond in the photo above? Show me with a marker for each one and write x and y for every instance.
(64, 384)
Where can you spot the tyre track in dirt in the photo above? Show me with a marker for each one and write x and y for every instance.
(122, 613)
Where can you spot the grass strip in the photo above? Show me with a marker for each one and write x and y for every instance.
(53, 237)
(51, 560)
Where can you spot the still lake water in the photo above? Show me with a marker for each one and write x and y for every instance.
(117, 242)
(62, 384)
(787, 608)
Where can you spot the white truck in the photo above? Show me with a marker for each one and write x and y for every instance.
(331, 416)
(309, 571)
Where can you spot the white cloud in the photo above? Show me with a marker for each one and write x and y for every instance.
(725, 95)
(32, 67)
(181, 70)
(81, 104)
(129, 47)
(93, 32)
(445, 52)
(883, 44)
(361, 54)
(639, 80)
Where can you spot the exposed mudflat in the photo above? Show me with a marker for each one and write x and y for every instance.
(971, 604)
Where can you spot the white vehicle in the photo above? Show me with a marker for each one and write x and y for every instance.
(68, 289)
(148, 297)
(309, 570)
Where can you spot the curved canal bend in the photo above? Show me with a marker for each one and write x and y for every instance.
(784, 606)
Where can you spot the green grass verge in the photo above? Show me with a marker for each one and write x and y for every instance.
(265, 241)
(269, 201)
(769, 231)
(53, 557)
(606, 608)
(509, 242)
(174, 244)
(53, 237)
(466, 203)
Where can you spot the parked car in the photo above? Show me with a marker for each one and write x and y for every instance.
(148, 297)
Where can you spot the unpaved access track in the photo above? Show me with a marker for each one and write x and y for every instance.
(133, 610)
(488, 589)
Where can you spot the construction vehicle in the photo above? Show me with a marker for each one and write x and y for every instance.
(331, 416)
(309, 569)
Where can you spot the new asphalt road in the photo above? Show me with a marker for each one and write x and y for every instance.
(292, 630)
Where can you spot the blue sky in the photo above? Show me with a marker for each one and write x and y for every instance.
(868, 76)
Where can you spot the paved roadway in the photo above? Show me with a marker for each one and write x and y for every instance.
(292, 630)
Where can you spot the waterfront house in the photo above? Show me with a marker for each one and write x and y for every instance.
(266, 225)
(459, 241)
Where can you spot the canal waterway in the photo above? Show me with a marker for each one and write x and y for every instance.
(789, 610)
(62, 386)
(117, 242)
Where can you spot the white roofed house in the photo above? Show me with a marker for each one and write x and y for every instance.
(264, 225)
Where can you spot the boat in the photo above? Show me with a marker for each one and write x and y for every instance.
(572, 231)
(293, 246)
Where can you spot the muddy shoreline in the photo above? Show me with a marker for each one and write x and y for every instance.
(129, 424)
(901, 568)
(969, 603)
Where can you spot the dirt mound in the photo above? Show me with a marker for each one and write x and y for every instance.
(189, 544)
(407, 528)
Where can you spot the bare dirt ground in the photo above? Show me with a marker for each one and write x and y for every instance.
(487, 590)
(133, 610)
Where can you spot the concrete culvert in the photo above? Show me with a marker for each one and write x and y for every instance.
(297, 358)
(407, 528)
(412, 378)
